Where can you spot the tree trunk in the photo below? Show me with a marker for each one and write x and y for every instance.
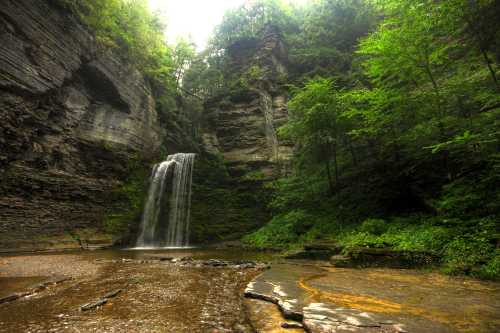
(329, 174)
(477, 34)
(335, 164)
(353, 153)
(442, 133)
(492, 71)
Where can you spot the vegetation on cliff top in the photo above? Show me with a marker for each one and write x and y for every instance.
(135, 33)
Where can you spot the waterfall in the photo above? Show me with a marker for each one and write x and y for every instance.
(165, 220)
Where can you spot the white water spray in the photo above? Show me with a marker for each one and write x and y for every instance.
(165, 220)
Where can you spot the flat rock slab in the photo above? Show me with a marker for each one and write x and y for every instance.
(281, 285)
(267, 318)
(190, 262)
(324, 317)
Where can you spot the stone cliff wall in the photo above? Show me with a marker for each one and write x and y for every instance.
(241, 141)
(72, 116)
(242, 126)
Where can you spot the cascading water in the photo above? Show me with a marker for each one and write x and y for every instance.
(165, 220)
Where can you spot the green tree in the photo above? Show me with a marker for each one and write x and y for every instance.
(316, 125)
(183, 55)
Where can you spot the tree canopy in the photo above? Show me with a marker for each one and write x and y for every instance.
(395, 112)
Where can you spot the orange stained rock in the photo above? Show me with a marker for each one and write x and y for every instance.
(431, 278)
(364, 303)
(464, 323)
(267, 318)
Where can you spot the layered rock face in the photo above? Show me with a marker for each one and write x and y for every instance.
(240, 136)
(71, 118)
(242, 127)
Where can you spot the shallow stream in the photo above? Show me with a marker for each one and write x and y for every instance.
(164, 297)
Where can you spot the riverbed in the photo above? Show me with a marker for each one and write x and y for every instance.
(161, 292)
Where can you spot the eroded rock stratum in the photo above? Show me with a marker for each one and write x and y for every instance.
(72, 115)
(242, 125)
(240, 130)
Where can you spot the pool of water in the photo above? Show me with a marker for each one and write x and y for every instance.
(156, 296)
(164, 297)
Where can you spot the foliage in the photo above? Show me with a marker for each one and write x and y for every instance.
(135, 33)
(317, 125)
(130, 195)
(320, 38)
(492, 268)
(373, 226)
(462, 254)
(394, 110)
(129, 26)
(183, 54)
(248, 20)
(254, 176)
(280, 231)
(326, 35)
(406, 234)
(223, 209)
(408, 117)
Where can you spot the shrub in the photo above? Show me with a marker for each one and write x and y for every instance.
(131, 196)
(466, 254)
(282, 231)
(492, 269)
(373, 226)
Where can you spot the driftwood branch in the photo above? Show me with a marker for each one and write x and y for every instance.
(103, 300)
(190, 93)
(33, 290)
(490, 107)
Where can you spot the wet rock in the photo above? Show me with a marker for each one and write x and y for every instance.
(292, 325)
(340, 260)
(215, 263)
(165, 258)
(72, 117)
(267, 318)
(44, 285)
(191, 262)
(242, 128)
(239, 328)
(316, 251)
(281, 286)
(265, 291)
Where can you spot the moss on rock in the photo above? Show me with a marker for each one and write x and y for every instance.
(223, 207)
(124, 218)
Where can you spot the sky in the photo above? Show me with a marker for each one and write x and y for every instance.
(195, 18)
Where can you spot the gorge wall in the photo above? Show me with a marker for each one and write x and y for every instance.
(239, 135)
(78, 124)
(72, 117)
(241, 126)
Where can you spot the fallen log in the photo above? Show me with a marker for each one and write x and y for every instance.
(103, 300)
(34, 289)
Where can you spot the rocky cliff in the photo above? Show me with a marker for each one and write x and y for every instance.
(72, 117)
(241, 126)
(240, 137)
